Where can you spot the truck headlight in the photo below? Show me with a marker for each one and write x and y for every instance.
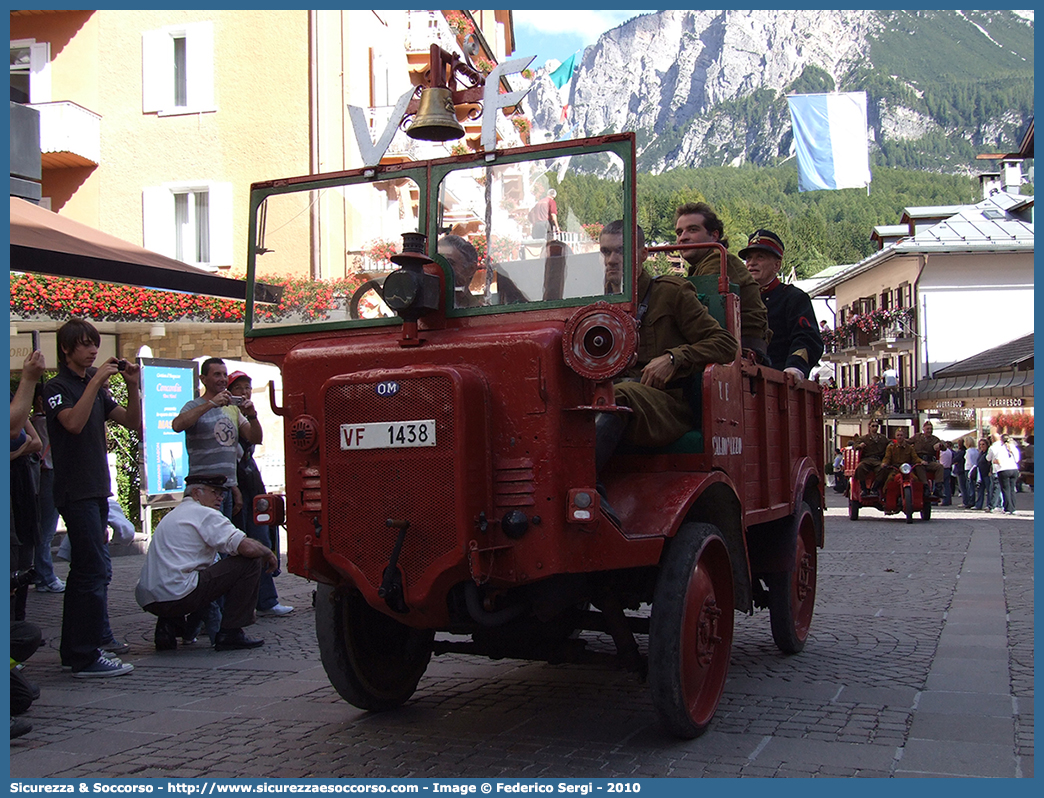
(600, 341)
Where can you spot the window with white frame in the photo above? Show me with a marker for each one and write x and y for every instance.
(30, 71)
(190, 222)
(177, 66)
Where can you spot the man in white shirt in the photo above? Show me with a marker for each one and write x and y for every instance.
(180, 577)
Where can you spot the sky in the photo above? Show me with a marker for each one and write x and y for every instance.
(558, 34)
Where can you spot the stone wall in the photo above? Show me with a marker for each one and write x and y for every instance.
(187, 344)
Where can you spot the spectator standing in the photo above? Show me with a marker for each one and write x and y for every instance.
(1026, 464)
(1005, 459)
(984, 478)
(795, 345)
(250, 485)
(960, 476)
(77, 407)
(946, 461)
(46, 580)
(25, 514)
(891, 387)
(213, 426)
(971, 469)
(544, 216)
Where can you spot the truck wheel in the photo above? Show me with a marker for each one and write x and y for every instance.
(373, 661)
(908, 503)
(853, 511)
(792, 594)
(690, 634)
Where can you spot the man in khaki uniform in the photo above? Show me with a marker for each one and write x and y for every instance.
(696, 223)
(927, 446)
(873, 446)
(898, 452)
(678, 337)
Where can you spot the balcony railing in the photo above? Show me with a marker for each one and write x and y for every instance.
(70, 135)
(867, 401)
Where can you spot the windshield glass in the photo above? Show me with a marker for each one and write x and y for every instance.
(533, 230)
(519, 232)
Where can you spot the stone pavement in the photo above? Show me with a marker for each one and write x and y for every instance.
(920, 663)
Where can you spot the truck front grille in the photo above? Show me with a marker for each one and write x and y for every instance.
(365, 488)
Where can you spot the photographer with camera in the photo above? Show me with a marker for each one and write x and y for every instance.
(77, 406)
(213, 425)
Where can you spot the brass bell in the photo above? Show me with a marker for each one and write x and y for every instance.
(435, 119)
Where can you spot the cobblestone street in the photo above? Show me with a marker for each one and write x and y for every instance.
(920, 662)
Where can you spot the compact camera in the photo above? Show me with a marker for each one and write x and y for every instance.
(121, 365)
(236, 400)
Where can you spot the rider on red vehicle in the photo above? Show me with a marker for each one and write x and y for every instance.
(872, 447)
(897, 453)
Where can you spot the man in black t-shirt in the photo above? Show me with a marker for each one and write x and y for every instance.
(78, 405)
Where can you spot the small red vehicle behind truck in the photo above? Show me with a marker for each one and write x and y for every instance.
(902, 492)
(440, 466)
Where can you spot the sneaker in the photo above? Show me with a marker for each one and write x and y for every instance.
(233, 639)
(103, 667)
(115, 647)
(277, 610)
(57, 586)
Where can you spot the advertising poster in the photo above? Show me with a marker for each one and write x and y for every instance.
(165, 387)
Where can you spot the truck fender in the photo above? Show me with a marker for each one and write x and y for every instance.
(808, 488)
(657, 504)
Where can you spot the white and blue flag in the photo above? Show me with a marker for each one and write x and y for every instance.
(831, 141)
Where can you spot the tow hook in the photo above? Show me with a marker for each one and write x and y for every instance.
(391, 581)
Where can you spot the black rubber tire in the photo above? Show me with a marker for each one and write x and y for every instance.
(908, 503)
(926, 506)
(373, 661)
(690, 632)
(853, 511)
(792, 594)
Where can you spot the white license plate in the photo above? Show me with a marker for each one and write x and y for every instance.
(388, 435)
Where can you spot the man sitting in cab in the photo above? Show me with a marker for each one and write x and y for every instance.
(677, 338)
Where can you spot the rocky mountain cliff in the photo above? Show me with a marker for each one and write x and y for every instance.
(708, 88)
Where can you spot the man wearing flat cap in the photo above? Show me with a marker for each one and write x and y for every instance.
(180, 577)
(796, 344)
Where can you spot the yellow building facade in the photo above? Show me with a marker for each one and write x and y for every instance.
(155, 123)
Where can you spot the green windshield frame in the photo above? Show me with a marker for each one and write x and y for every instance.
(429, 177)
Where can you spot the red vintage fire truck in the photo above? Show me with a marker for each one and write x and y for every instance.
(440, 439)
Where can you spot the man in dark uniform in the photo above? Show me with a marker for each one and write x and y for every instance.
(796, 344)
(696, 223)
(898, 452)
(927, 447)
(678, 337)
(873, 446)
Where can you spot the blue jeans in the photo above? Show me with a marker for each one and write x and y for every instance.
(962, 486)
(1006, 480)
(947, 494)
(85, 609)
(48, 524)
